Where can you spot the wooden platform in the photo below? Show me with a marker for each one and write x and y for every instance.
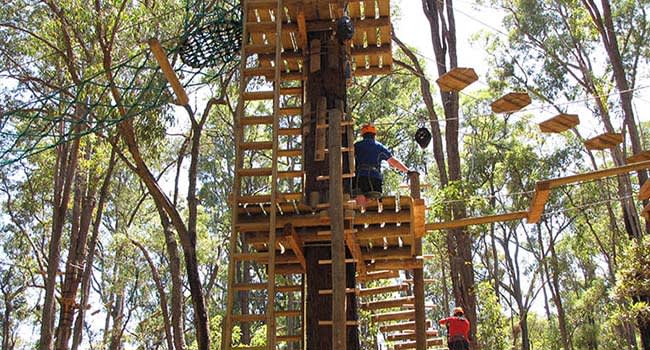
(560, 123)
(371, 48)
(604, 141)
(457, 79)
(511, 102)
(639, 157)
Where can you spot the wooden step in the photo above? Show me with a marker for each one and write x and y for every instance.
(292, 91)
(393, 316)
(559, 123)
(511, 102)
(268, 172)
(366, 292)
(256, 145)
(410, 335)
(289, 131)
(398, 327)
(266, 198)
(261, 27)
(639, 157)
(347, 323)
(387, 304)
(259, 120)
(296, 152)
(252, 49)
(288, 313)
(413, 344)
(258, 95)
(288, 338)
(377, 275)
(327, 177)
(604, 141)
(457, 79)
(290, 111)
(248, 318)
(259, 72)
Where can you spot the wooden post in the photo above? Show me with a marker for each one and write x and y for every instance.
(418, 277)
(339, 331)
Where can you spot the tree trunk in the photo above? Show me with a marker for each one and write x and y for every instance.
(64, 173)
(77, 334)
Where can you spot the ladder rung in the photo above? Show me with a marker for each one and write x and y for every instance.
(248, 286)
(248, 318)
(289, 288)
(257, 145)
(344, 123)
(288, 313)
(291, 111)
(347, 323)
(288, 338)
(289, 131)
(266, 198)
(326, 177)
(268, 172)
(259, 71)
(258, 95)
(297, 152)
(261, 4)
(251, 49)
(256, 120)
(294, 91)
(260, 27)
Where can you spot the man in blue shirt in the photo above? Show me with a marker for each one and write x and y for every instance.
(368, 155)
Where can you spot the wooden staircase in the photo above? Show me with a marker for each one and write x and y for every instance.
(268, 175)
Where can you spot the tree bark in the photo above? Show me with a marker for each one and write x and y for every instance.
(64, 173)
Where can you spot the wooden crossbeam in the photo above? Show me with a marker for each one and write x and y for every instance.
(403, 326)
(393, 316)
(542, 192)
(405, 264)
(644, 192)
(387, 304)
(476, 221)
(295, 243)
(377, 275)
(168, 71)
(365, 292)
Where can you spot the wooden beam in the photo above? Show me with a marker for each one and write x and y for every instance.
(536, 209)
(406, 264)
(410, 335)
(296, 244)
(339, 332)
(393, 316)
(355, 251)
(598, 174)
(417, 223)
(401, 326)
(168, 71)
(377, 275)
(476, 221)
(366, 292)
(302, 29)
(413, 345)
(387, 304)
(644, 191)
(387, 254)
(371, 233)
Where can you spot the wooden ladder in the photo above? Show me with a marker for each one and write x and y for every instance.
(262, 48)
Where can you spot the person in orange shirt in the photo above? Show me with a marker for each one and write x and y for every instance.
(457, 330)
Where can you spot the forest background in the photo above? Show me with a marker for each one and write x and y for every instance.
(115, 217)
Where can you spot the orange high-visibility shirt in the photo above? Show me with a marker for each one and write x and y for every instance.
(456, 326)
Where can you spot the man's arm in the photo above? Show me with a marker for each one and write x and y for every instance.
(395, 163)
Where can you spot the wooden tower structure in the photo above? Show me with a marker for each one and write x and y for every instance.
(311, 249)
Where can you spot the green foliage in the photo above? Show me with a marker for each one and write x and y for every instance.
(633, 279)
(492, 324)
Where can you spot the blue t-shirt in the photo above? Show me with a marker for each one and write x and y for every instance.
(368, 155)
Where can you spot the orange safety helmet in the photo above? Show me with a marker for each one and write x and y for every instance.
(458, 310)
(368, 129)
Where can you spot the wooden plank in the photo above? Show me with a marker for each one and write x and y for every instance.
(599, 174)
(560, 123)
(644, 191)
(393, 316)
(168, 71)
(366, 292)
(405, 264)
(542, 192)
(302, 29)
(412, 344)
(387, 304)
(371, 233)
(362, 71)
(646, 212)
(321, 119)
(604, 141)
(339, 332)
(329, 323)
(329, 291)
(457, 79)
(314, 56)
(418, 274)
(355, 251)
(295, 243)
(410, 335)
(476, 221)
(403, 326)
(639, 157)
(377, 275)
(387, 254)
(511, 102)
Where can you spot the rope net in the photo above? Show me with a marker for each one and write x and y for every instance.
(35, 120)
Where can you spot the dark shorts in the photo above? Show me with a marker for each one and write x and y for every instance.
(365, 184)
(458, 345)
